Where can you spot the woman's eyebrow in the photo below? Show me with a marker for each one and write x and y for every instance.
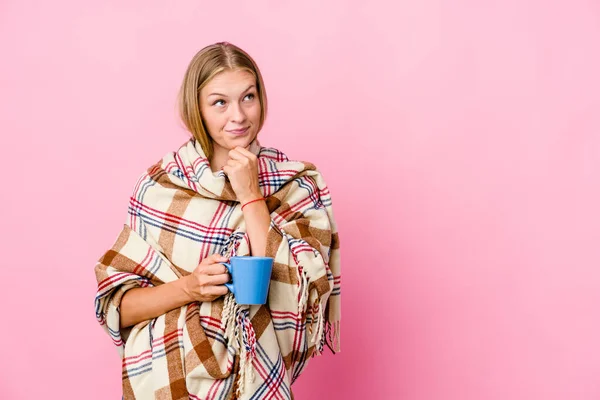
(219, 94)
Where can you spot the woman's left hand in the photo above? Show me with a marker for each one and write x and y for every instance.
(242, 171)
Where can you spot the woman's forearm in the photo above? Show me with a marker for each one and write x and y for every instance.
(143, 304)
(258, 220)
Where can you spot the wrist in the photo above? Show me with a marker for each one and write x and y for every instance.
(249, 198)
(185, 284)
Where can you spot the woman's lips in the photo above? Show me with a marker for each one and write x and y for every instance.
(238, 131)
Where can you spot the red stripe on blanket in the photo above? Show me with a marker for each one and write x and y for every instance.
(175, 219)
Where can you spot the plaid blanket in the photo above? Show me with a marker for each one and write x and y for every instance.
(181, 212)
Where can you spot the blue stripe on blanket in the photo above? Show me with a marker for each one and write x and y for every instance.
(277, 372)
(214, 238)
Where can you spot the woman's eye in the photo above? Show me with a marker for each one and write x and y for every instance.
(219, 103)
(250, 96)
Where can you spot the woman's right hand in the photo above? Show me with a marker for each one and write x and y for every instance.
(206, 283)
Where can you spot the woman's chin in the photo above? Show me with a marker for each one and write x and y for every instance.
(242, 141)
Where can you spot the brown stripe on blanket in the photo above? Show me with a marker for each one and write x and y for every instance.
(121, 240)
(106, 258)
(289, 216)
(177, 208)
(261, 320)
(216, 308)
(202, 353)
(274, 239)
(164, 393)
(335, 241)
(160, 176)
(192, 361)
(235, 370)
(127, 389)
(295, 355)
(177, 387)
(228, 193)
(283, 207)
(282, 192)
(308, 166)
(273, 203)
(322, 236)
(321, 285)
(126, 264)
(284, 273)
(315, 237)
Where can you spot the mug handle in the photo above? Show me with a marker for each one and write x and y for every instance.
(228, 285)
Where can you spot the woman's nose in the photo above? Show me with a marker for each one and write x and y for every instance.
(237, 114)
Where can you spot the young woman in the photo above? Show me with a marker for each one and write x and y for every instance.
(161, 294)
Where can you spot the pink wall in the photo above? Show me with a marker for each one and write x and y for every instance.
(460, 139)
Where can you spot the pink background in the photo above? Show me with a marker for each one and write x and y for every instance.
(460, 140)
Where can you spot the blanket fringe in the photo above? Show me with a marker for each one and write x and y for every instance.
(332, 336)
(302, 287)
(314, 308)
(235, 321)
(320, 327)
(240, 334)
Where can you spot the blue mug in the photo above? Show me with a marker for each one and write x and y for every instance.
(250, 278)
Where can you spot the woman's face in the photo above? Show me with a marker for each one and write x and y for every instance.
(230, 108)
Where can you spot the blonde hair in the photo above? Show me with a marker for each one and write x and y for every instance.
(207, 63)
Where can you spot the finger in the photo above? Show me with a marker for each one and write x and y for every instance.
(219, 290)
(214, 280)
(236, 154)
(215, 258)
(217, 280)
(222, 290)
(209, 262)
(232, 163)
(245, 152)
(214, 269)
